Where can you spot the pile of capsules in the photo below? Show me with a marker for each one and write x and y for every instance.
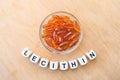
(62, 65)
(61, 33)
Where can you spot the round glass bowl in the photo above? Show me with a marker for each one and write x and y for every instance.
(51, 23)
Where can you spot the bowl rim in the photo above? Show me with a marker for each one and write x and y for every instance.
(56, 51)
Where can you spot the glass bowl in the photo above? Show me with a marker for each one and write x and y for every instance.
(45, 21)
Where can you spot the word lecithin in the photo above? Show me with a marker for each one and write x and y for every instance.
(62, 65)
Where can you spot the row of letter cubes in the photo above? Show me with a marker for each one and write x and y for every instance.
(54, 65)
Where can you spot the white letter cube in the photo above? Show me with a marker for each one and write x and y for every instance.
(26, 52)
(91, 54)
(82, 60)
(53, 65)
(73, 64)
(63, 65)
(34, 58)
(43, 62)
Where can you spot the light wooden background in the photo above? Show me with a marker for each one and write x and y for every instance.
(19, 28)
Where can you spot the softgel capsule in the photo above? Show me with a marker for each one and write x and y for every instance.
(62, 65)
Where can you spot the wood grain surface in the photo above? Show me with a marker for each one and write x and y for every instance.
(19, 28)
